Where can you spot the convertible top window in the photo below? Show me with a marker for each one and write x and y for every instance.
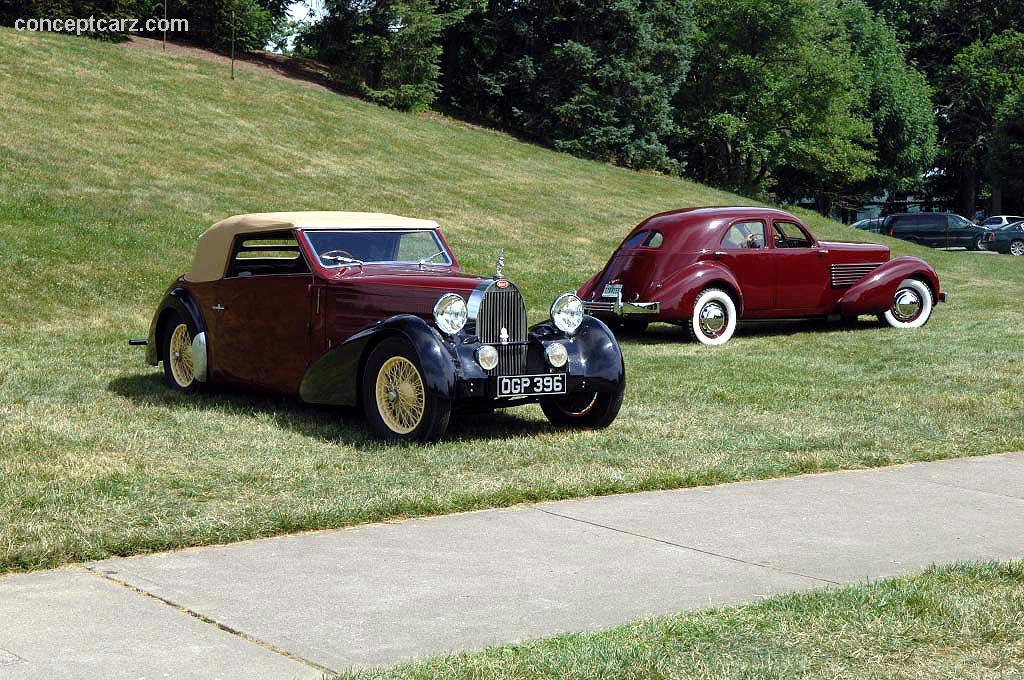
(341, 248)
(266, 253)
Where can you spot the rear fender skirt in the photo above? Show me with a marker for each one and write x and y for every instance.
(679, 293)
(334, 378)
(874, 293)
(179, 300)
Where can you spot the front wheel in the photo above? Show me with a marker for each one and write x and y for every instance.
(714, 317)
(397, 403)
(911, 305)
(1017, 248)
(590, 410)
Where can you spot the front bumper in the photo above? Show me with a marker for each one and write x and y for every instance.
(617, 307)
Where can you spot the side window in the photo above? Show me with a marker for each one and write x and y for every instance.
(655, 240)
(266, 253)
(635, 240)
(790, 235)
(743, 235)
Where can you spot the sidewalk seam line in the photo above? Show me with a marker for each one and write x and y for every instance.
(970, 490)
(212, 622)
(689, 547)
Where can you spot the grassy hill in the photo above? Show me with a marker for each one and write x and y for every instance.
(113, 160)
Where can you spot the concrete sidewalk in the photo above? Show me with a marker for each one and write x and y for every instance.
(299, 606)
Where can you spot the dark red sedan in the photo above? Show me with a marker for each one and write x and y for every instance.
(707, 268)
(373, 310)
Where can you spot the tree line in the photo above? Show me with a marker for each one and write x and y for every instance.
(831, 100)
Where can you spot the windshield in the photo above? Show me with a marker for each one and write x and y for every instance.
(992, 221)
(342, 248)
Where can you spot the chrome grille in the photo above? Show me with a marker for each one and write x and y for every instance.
(845, 275)
(504, 308)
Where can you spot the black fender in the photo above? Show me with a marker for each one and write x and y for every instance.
(595, 358)
(176, 299)
(333, 379)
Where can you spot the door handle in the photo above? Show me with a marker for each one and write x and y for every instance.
(823, 252)
(218, 308)
(719, 254)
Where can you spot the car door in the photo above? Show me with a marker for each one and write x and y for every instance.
(744, 250)
(961, 232)
(262, 315)
(801, 267)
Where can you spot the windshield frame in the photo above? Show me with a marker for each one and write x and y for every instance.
(442, 246)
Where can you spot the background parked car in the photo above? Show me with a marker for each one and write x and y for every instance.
(938, 230)
(1006, 239)
(872, 224)
(999, 221)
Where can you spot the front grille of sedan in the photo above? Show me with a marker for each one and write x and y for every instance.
(845, 275)
(504, 308)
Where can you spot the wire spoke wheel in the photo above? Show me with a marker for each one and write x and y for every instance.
(180, 355)
(401, 398)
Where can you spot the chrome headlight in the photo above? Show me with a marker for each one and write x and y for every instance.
(450, 313)
(487, 357)
(556, 354)
(567, 313)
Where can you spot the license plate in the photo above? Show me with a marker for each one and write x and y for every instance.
(612, 290)
(522, 385)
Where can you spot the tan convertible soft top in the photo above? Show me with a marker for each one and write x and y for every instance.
(214, 247)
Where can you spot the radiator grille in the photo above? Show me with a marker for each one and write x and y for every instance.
(503, 308)
(845, 275)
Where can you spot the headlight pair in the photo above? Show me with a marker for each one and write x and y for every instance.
(450, 313)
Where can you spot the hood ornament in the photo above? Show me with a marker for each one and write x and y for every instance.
(499, 269)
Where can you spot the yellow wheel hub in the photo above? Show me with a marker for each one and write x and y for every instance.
(401, 399)
(181, 356)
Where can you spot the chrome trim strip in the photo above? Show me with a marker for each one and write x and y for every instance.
(844, 275)
(619, 308)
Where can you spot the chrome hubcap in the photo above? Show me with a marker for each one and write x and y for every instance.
(1017, 248)
(906, 305)
(712, 319)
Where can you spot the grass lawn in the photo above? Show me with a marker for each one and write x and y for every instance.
(113, 160)
(965, 621)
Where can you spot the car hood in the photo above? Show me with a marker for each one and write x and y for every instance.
(851, 249)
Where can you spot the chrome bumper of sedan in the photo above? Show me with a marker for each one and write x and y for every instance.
(620, 308)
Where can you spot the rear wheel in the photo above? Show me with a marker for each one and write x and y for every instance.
(396, 400)
(590, 410)
(979, 243)
(911, 305)
(176, 351)
(714, 317)
(1017, 248)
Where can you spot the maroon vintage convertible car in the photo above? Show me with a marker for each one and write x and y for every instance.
(708, 267)
(363, 308)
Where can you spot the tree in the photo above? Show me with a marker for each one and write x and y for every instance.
(988, 81)
(801, 98)
(936, 31)
(593, 78)
(386, 50)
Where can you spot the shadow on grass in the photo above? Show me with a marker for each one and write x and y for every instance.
(331, 424)
(662, 333)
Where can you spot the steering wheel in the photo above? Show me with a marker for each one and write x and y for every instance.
(337, 254)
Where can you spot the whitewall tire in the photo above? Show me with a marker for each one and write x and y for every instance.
(911, 306)
(714, 317)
